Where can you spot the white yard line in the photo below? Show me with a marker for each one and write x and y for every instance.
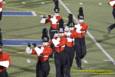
(90, 35)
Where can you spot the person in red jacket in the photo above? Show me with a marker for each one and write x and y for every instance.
(54, 23)
(69, 45)
(4, 63)
(69, 33)
(43, 52)
(112, 4)
(80, 46)
(60, 55)
(54, 19)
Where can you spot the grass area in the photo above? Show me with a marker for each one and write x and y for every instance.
(98, 17)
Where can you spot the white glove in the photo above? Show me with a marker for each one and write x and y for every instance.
(28, 50)
(39, 50)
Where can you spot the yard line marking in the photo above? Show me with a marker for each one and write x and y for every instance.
(90, 35)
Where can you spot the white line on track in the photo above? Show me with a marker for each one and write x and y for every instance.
(90, 35)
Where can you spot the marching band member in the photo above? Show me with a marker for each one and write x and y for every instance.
(4, 63)
(70, 43)
(43, 52)
(80, 46)
(53, 20)
(4, 59)
(54, 23)
(60, 55)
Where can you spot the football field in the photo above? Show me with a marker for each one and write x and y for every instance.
(24, 26)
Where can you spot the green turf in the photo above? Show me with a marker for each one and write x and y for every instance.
(98, 18)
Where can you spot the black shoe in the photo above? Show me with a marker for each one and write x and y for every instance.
(109, 30)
